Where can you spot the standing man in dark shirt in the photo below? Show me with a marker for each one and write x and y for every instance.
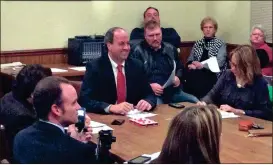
(160, 60)
(168, 34)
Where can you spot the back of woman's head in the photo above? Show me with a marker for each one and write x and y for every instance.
(27, 79)
(193, 137)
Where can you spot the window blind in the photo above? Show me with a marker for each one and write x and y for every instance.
(261, 13)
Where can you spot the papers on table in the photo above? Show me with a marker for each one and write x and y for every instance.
(13, 64)
(80, 68)
(136, 114)
(227, 114)
(57, 70)
(97, 127)
(213, 64)
(171, 78)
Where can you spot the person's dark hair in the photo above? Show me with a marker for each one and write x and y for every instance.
(27, 79)
(151, 25)
(193, 137)
(148, 9)
(48, 92)
(109, 35)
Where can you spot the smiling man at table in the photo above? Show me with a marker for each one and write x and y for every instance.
(115, 83)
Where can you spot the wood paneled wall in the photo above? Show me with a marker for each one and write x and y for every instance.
(59, 55)
(39, 56)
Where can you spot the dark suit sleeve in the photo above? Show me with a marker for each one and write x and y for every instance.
(262, 105)
(263, 57)
(147, 90)
(88, 94)
(89, 154)
(171, 36)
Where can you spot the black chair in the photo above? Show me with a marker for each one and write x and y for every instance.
(263, 57)
(4, 148)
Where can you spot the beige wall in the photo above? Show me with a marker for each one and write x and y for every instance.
(37, 25)
(233, 19)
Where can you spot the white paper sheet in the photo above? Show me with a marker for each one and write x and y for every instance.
(80, 68)
(57, 70)
(227, 114)
(213, 64)
(13, 64)
(171, 78)
(95, 124)
(136, 114)
(98, 129)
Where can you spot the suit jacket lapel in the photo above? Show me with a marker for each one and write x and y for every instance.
(110, 78)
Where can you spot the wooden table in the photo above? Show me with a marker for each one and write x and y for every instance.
(134, 140)
(7, 75)
(69, 73)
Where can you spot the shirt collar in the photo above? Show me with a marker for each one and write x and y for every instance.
(114, 64)
(53, 124)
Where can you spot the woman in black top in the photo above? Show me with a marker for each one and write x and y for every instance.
(242, 89)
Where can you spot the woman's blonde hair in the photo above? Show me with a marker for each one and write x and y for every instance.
(209, 19)
(247, 62)
(193, 137)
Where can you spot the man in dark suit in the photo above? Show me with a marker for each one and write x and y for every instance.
(113, 83)
(168, 34)
(55, 101)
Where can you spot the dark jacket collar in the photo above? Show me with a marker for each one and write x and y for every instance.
(48, 128)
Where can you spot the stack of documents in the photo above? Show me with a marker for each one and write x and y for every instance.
(136, 114)
(97, 127)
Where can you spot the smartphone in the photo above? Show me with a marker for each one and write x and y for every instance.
(176, 105)
(139, 160)
(118, 122)
(81, 119)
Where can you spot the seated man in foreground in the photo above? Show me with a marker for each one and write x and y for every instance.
(113, 83)
(55, 101)
(168, 34)
(163, 67)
